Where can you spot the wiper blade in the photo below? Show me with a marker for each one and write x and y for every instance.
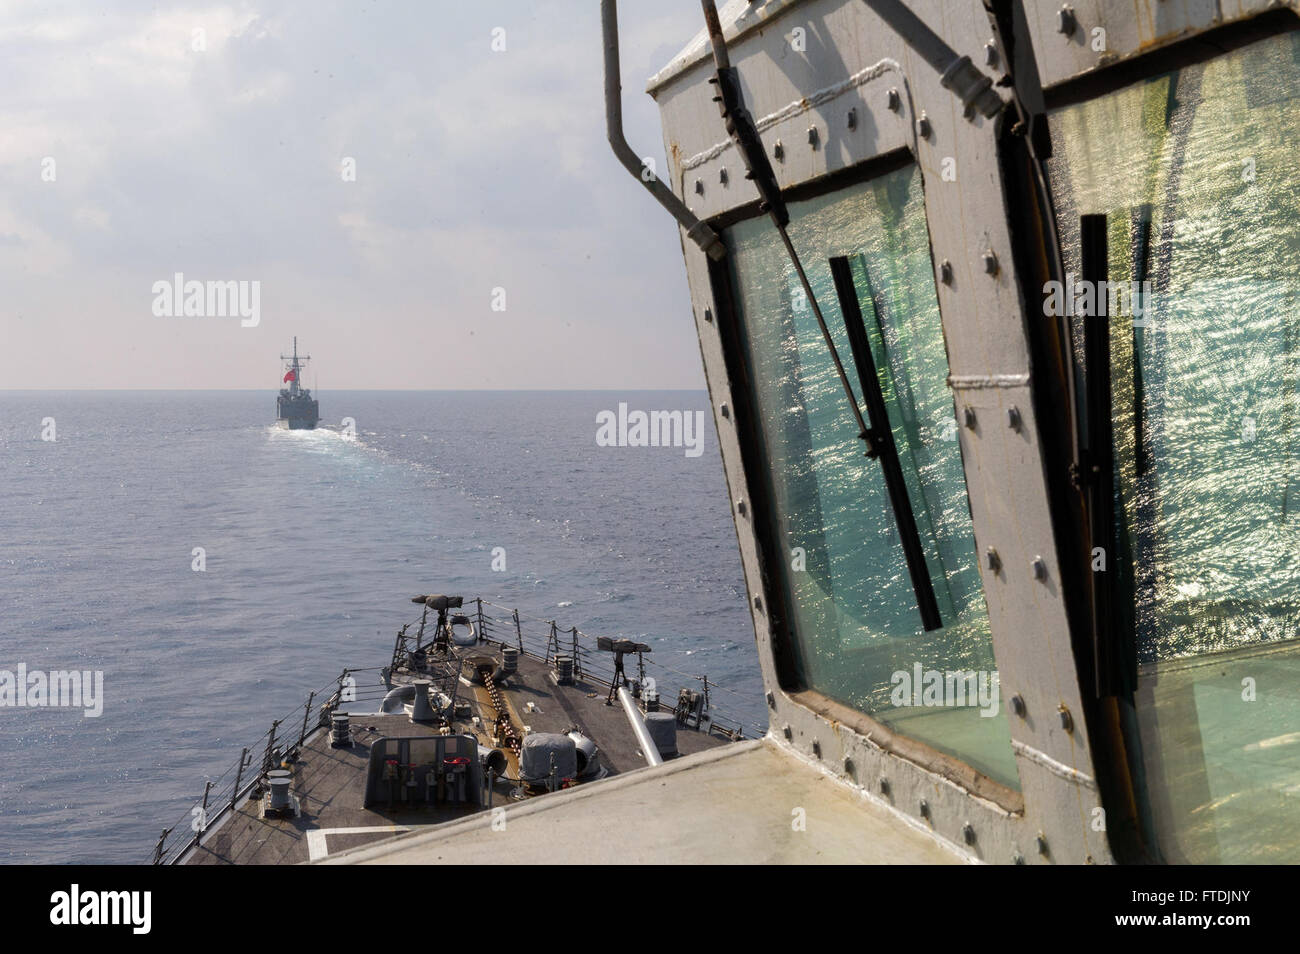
(880, 439)
(744, 133)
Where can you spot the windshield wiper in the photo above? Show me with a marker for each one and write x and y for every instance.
(743, 132)
(878, 437)
(880, 443)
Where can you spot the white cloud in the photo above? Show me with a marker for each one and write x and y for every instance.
(474, 169)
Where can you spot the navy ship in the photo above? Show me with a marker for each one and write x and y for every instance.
(295, 407)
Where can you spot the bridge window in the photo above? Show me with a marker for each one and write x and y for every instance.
(1195, 172)
(857, 632)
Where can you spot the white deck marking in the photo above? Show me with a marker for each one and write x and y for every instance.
(316, 847)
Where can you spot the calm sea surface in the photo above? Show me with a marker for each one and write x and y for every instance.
(313, 546)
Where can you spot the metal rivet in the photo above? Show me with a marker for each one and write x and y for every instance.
(741, 507)
(884, 786)
(812, 136)
(925, 808)
(990, 262)
(968, 832)
(968, 417)
(778, 152)
(991, 53)
(817, 748)
(708, 315)
(994, 561)
(1018, 705)
(848, 765)
(851, 120)
(771, 701)
(699, 187)
(758, 603)
(1039, 567)
(722, 175)
(1067, 720)
(1041, 840)
(945, 272)
(1065, 20)
(895, 101)
(923, 128)
(1013, 418)
(724, 410)
(785, 730)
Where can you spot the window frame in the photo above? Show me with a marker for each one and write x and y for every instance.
(763, 515)
(1203, 47)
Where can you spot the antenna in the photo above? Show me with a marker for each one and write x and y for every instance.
(295, 364)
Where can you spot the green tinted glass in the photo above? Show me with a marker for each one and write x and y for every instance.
(855, 624)
(1196, 173)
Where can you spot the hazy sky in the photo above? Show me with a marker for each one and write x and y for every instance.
(475, 170)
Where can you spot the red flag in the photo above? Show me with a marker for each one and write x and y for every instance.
(288, 375)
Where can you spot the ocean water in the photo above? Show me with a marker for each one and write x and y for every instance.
(314, 544)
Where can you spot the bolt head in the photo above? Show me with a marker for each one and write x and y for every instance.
(724, 410)
(925, 808)
(1067, 720)
(699, 187)
(812, 136)
(758, 603)
(817, 748)
(1039, 568)
(968, 832)
(1041, 842)
(741, 507)
(778, 151)
(785, 730)
(894, 100)
(994, 561)
(1066, 23)
(1013, 418)
(771, 701)
(968, 417)
(1018, 705)
(945, 272)
(990, 262)
(923, 127)
(851, 120)
(722, 175)
(990, 53)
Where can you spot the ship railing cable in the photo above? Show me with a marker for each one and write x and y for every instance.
(224, 793)
(542, 638)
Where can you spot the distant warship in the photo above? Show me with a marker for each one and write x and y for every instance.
(296, 408)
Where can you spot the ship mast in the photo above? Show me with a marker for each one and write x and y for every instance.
(296, 366)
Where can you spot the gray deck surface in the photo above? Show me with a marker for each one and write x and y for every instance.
(754, 802)
(330, 782)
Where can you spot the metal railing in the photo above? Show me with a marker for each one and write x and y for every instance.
(543, 638)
